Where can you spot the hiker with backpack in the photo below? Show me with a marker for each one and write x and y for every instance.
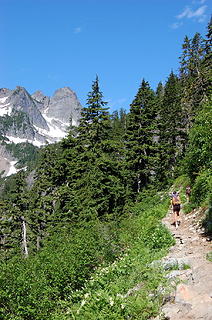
(175, 202)
(188, 193)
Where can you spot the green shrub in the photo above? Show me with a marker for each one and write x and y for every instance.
(199, 152)
(127, 288)
(96, 271)
(181, 181)
(202, 187)
(188, 207)
(158, 237)
(207, 223)
(30, 288)
(209, 256)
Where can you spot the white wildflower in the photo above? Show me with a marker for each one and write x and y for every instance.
(83, 303)
(111, 301)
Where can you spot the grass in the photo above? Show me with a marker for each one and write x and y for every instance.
(209, 256)
(129, 287)
(185, 266)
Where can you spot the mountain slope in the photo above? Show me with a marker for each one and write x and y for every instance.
(35, 119)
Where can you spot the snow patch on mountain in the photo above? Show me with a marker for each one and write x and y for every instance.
(5, 108)
(12, 169)
(2, 100)
(16, 140)
(57, 128)
(36, 119)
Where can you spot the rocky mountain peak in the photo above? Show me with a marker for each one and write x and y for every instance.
(22, 101)
(43, 100)
(64, 105)
(4, 92)
(36, 118)
(65, 91)
(38, 95)
(50, 116)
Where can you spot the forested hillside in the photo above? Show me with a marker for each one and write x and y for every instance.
(80, 232)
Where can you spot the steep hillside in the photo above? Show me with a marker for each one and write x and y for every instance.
(34, 119)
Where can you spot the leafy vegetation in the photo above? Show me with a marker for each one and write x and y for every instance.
(62, 270)
(209, 256)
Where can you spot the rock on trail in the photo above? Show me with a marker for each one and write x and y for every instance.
(192, 297)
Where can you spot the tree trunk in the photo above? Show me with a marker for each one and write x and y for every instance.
(24, 237)
(38, 242)
(138, 183)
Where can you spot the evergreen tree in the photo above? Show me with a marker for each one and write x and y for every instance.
(94, 122)
(49, 175)
(207, 61)
(93, 187)
(171, 125)
(192, 77)
(140, 147)
(160, 93)
(14, 212)
(184, 58)
(118, 124)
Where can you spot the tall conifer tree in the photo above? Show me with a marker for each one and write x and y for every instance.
(139, 138)
(207, 61)
(192, 77)
(14, 222)
(48, 177)
(171, 129)
(94, 187)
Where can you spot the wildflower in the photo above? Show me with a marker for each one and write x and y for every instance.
(111, 301)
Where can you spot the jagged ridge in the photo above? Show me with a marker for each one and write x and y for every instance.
(35, 118)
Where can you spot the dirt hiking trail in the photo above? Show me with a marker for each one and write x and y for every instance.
(192, 298)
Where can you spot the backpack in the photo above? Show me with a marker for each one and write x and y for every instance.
(176, 199)
(188, 190)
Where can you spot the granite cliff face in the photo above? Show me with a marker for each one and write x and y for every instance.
(63, 105)
(36, 118)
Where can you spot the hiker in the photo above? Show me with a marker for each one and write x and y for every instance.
(188, 193)
(175, 202)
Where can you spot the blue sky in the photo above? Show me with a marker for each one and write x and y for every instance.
(49, 44)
